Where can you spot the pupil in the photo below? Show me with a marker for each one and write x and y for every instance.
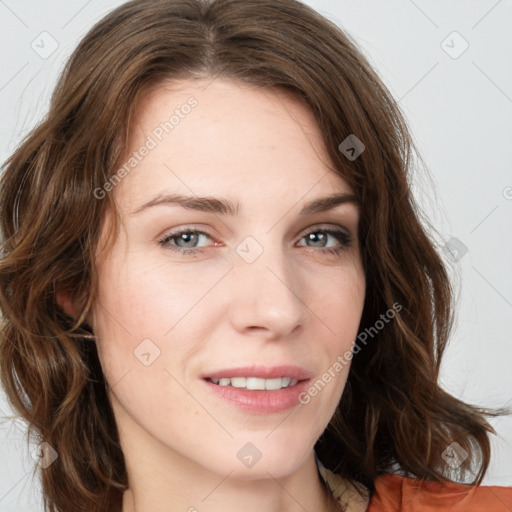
(184, 236)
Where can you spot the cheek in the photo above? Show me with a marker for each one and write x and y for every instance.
(339, 304)
(145, 298)
(338, 307)
(146, 308)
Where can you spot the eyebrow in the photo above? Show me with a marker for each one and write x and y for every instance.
(226, 207)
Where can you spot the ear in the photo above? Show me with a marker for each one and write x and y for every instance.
(65, 302)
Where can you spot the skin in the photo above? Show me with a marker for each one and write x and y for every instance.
(293, 305)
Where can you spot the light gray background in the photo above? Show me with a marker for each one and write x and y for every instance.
(459, 107)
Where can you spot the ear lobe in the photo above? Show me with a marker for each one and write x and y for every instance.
(64, 301)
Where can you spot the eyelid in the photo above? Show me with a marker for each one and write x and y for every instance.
(198, 228)
(325, 225)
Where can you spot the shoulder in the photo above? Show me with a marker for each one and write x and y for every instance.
(398, 493)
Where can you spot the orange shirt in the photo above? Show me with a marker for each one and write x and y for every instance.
(395, 493)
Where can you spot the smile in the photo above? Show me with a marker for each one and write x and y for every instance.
(255, 383)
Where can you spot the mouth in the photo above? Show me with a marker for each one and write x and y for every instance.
(259, 389)
(255, 383)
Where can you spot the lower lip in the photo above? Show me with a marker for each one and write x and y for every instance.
(259, 401)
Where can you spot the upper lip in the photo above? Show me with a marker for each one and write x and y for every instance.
(262, 372)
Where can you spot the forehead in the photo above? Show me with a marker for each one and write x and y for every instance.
(225, 138)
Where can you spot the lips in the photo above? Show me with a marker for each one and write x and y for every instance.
(261, 372)
(258, 402)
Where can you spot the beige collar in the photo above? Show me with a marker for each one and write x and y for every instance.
(342, 490)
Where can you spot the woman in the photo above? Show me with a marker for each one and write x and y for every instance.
(216, 290)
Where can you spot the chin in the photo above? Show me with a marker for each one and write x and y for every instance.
(255, 461)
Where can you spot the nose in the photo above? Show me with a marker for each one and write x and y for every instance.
(267, 297)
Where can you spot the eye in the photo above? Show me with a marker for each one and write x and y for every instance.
(343, 239)
(185, 240)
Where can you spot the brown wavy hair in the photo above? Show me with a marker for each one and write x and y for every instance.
(392, 414)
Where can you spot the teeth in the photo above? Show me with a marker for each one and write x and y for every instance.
(272, 384)
(238, 382)
(255, 383)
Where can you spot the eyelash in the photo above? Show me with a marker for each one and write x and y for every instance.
(342, 236)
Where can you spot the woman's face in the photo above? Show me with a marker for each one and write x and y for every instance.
(263, 291)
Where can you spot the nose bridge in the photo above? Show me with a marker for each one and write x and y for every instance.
(267, 286)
